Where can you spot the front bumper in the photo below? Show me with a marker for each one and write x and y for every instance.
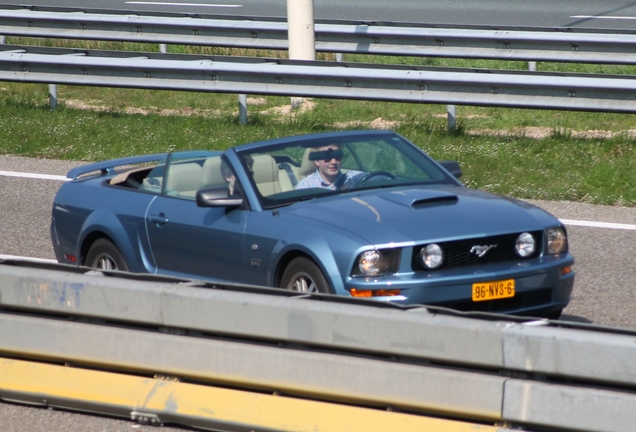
(540, 286)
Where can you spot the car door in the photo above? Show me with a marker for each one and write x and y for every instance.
(191, 241)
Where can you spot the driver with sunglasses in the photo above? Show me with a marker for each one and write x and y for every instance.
(328, 175)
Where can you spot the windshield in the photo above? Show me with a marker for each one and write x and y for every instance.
(309, 168)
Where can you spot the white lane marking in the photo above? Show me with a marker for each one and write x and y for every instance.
(184, 4)
(30, 259)
(609, 17)
(35, 176)
(599, 224)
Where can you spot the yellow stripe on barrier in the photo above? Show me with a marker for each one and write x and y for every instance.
(191, 404)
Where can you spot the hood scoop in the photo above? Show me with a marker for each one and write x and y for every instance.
(422, 202)
(417, 198)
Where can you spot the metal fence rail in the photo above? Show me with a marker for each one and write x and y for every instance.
(318, 79)
(491, 369)
(556, 45)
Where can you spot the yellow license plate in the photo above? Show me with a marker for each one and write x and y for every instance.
(493, 290)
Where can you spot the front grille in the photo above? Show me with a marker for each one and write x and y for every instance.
(457, 253)
(519, 301)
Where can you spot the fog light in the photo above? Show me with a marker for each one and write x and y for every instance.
(524, 245)
(432, 256)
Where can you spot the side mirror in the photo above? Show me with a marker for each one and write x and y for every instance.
(217, 197)
(452, 167)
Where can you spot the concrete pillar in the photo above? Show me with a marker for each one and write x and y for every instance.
(301, 35)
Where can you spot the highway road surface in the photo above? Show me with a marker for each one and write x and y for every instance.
(551, 13)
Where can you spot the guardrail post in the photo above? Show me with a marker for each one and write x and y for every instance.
(339, 57)
(532, 66)
(450, 113)
(53, 96)
(242, 98)
(2, 40)
(163, 48)
(301, 34)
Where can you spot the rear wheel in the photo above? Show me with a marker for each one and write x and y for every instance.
(104, 255)
(303, 275)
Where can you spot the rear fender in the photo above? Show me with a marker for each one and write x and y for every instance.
(104, 224)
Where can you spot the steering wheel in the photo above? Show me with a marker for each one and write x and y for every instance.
(376, 174)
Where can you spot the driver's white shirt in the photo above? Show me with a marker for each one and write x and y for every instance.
(315, 180)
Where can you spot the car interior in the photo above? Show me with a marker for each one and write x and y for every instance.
(273, 173)
(185, 177)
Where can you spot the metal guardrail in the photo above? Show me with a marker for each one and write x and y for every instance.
(318, 79)
(535, 44)
(337, 36)
(468, 367)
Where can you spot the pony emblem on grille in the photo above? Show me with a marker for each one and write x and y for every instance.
(480, 251)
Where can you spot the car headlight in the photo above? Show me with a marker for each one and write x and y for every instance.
(432, 256)
(525, 245)
(377, 262)
(557, 240)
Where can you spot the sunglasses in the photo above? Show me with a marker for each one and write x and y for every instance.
(326, 155)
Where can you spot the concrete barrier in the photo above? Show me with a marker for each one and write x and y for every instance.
(479, 367)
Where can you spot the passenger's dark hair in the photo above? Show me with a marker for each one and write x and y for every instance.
(227, 171)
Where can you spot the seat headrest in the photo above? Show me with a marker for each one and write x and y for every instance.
(307, 167)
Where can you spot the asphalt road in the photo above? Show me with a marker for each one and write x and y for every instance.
(557, 13)
(604, 293)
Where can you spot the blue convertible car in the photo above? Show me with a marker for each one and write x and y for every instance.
(361, 214)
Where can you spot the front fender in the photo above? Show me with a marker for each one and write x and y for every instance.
(331, 252)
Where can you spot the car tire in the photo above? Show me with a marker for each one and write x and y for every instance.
(303, 275)
(104, 255)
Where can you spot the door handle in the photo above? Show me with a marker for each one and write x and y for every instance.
(159, 219)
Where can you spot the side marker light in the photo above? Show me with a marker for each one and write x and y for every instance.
(71, 258)
(566, 270)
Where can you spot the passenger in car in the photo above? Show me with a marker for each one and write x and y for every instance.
(228, 174)
(328, 160)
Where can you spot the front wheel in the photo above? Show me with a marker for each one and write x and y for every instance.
(104, 255)
(304, 276)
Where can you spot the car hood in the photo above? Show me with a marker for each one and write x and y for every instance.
(413, 214)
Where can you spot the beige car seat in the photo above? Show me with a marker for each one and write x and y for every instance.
(266, 175)
(183, 179)
(211, 174)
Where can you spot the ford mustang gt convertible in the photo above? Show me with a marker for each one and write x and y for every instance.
(359, 213)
